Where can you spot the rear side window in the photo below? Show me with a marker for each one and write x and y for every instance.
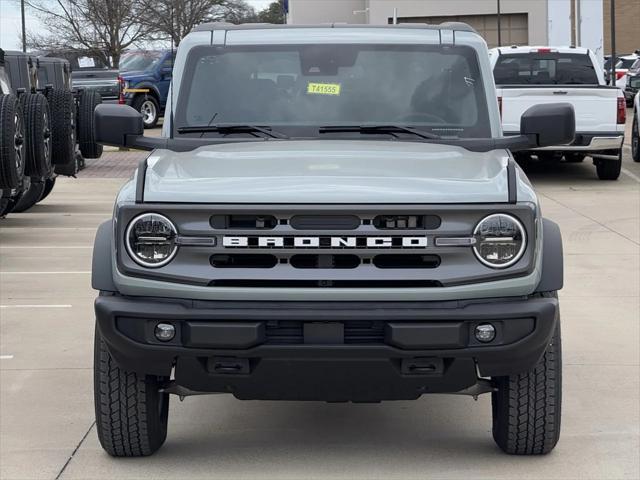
(545, 69)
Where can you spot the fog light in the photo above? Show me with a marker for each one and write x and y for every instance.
(165, 332)
(485, 333)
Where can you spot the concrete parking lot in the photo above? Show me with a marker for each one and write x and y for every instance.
(47, 426)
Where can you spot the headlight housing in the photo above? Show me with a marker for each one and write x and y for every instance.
(151, 240)
(500, 240)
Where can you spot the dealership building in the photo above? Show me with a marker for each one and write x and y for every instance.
(522, 22)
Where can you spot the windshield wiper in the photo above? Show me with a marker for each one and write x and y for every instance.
(233, 128)
(391, 129)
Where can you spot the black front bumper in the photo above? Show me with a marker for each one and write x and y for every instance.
(326, 351)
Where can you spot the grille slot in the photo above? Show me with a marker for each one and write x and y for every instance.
(243, 222)
(247, 260)
(290, 332)
(258, 283)
(325, 222)
(406, 261)
(407, 222)
(324, 261)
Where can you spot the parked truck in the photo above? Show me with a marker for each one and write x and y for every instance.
(527, 76)
(145, 76)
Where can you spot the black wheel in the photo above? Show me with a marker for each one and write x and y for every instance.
(30, 197)
(63, 126)
(37, 132)
(69, 169)
(131, 413)
(527, 407)
(89, 99)
(635, 140)
(4, 203)
(49, 183)
(149, 108)
(12, 149)
(574, 157)
(609, 169)
(11, 201)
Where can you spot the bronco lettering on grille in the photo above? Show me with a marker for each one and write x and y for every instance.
(323, 242)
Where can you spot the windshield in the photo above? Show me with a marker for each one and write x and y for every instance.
(435, 88)
(138, 61)
(545, 69)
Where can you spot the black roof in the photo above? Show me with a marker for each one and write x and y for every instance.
(457, 26)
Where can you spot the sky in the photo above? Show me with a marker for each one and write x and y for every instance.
(10, 22)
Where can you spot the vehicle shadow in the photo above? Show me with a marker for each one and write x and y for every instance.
(320, 437)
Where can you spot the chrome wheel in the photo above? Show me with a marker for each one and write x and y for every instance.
(18, 142)
(46, 141)
(148, 111)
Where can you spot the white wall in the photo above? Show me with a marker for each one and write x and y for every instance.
(592, 27)
(559, 26)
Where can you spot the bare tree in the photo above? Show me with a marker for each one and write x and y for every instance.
(174, 19)
(104, 28)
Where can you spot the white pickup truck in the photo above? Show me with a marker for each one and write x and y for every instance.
(526, 76)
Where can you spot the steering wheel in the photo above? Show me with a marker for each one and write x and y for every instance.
(422, 117)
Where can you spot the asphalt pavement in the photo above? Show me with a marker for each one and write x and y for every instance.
(47, 425)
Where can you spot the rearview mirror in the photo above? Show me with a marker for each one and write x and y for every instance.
(549, 124)
(115, 124)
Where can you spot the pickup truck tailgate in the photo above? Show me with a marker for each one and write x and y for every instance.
(595, 107)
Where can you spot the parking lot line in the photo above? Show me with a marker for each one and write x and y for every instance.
(83, 272)
(6, 357)
(47, 247)
(35, 306)
(631, 175)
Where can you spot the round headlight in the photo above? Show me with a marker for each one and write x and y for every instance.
(500, 240)
(151, 240)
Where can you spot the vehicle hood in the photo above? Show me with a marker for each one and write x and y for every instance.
(327, 171)
(135, 74)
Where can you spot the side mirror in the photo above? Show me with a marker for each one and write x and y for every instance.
(117, 125)
(549, 124)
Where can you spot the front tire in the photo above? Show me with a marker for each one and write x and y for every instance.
(131, 412)
(527, 407)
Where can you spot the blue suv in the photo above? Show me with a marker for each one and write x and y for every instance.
(145, 76)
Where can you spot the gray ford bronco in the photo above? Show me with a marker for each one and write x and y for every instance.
(332, 214)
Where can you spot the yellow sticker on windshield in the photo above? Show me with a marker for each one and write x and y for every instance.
(323, 88)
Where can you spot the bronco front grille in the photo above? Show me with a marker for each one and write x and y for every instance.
(325, 246)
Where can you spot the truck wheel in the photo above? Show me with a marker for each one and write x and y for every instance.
(574, 157)
(69, 169)
(12, 149)
(149, 108)
(635, 140)
(49, 183)
(89, 100)
(609, 169)
(131, 413)
(63, 128)
(37, 132)
(526, 407)
(30, 197)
